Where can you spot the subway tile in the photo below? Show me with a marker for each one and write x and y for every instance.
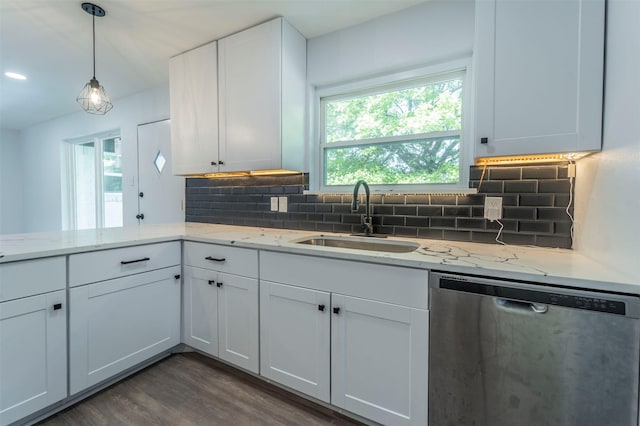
(417, 199)
(331, 198)
(535, 226)
(467, 223)
(521, 186)
(430, 210)
(313, 198)
(293, 189)
(519, 212)
(477, 211)
(276, 190)
(504, 173)
(341, 208)
(518, 239)
(382, 209)
(443, 222)
(483, 237)
(488, 186)
(388, 230)
(508, 200)
(509, 225)
(553, 213)
(457, 235)
(298, 216)
(563, 172)
(341, 227)
(457, 211)
(562, 228)
(299, 198)
(323, 208)
(405, 210)
(374, 199)
(308, 208)
(540, 172)
(471, 200)
(393, 199)
(540, 200)
(553, 241)
(331, 217)
(393, 220)
(554, 186)
(351, 218)
(324, 227)
(403, 231)
(315, 217)
(431, 234)
(475, 172)
(417, 221)
(440, 200)
(561, 200)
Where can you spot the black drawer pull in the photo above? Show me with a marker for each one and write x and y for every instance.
(126, 262)
(219, 284)
(215, 259)
(321, 308)
(211, 282)
(336, 311)
(57, 306)
(177, 277)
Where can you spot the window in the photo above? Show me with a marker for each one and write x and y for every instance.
(401, 136)
(93, 182)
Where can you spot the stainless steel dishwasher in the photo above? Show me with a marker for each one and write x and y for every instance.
(505, 353)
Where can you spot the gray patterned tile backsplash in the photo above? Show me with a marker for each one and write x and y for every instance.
(535, 200)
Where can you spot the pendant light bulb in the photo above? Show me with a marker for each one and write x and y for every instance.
(93, 98)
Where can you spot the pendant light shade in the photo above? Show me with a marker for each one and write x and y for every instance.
(93, 98)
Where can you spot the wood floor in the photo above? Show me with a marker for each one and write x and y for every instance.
(191, 389)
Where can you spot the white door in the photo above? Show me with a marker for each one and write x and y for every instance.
(33, 354)
(238, 320)
(379, 360)
(295, 338)
(160, 194)
(116, 324)
(200, 309)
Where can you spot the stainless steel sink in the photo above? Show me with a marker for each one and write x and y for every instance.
(388, 246)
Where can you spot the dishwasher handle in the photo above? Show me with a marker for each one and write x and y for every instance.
(517, 305)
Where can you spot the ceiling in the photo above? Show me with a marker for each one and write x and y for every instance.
(50, 42)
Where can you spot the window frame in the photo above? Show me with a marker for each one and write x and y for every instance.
(460, 68)
(69, 201)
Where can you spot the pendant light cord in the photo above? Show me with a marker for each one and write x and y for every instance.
(94, 45)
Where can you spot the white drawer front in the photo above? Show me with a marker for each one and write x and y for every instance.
(31, 277)
(102, 265)
(232, 260)
(391, 284)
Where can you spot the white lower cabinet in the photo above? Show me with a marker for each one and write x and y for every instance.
(323, 334)
(379, 360)
(295, 338)
(117, 324)
(33, 354)
(220, 314)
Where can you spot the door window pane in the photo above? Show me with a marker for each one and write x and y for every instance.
(85, 185)
(112, 181)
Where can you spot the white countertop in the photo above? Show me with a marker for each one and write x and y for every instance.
(542, 265)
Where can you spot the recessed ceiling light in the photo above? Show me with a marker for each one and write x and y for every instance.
(15, 75)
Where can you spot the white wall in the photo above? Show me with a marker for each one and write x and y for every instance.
(430, 32)
(608, 183)
(11, 189)
(41, 151)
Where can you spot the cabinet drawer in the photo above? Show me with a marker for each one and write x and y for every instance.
(232, 260)
(391, 284)
(102, 265)
(31, 277)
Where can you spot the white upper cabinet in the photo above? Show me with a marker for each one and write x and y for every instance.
(262, 75)
(239, 104)
(539, 76)
(193, 85)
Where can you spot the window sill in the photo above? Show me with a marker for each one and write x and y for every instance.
(466, 191)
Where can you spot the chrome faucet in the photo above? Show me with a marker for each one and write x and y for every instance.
(367, 223)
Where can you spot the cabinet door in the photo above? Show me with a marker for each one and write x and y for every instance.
(238, 320)
(119, 323)
(539, 68)
(33, 354)
(379, 360)
(294, 338)
(200, 309)
(250, 103)
(194, 110)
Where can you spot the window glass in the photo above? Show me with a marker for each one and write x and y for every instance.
(406, 134)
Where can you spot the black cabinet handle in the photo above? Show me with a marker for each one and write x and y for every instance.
(126, 262)
(221, 162)
(141, 194)
(484, 140)
(219, 284)
(57, 306)
(321, 308)
(140, 216)
(211, 282)
(177, 277)
(215, 259)
(336, 311)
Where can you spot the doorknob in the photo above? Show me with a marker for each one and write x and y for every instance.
(140, 216)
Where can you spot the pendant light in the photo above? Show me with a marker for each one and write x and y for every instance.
(93, 98)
